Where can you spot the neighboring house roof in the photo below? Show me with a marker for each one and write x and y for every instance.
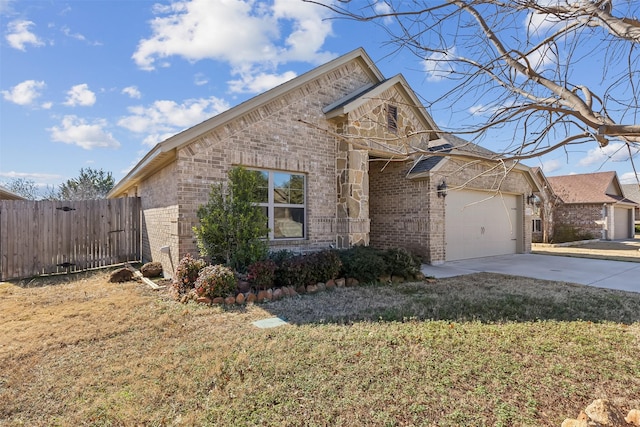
(599, 187)
(165, 152)
(632, 192)
(9, 195)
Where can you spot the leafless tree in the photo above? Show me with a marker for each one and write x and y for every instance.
(552, 73)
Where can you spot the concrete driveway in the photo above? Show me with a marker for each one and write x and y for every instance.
(620, 275)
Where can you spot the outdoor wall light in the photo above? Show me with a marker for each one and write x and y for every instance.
(531, 198)
(442, 189)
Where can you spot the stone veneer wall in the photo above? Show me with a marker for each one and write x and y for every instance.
(367, 124)
(271, 137)
(582, 217)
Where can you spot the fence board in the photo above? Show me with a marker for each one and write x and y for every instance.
(49, 237)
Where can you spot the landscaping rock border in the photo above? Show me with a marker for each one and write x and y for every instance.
(601, 413)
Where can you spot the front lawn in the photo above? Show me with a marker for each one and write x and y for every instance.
(478, 350)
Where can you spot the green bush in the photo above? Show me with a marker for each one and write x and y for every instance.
(295, 271)
(400, 262)
(637, 228)
(186, 274)
(325, 265)
(363, 263)
(215, 281)
(233, 228)
(563, 233)
(262, 274)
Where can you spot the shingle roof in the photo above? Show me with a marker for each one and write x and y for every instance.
(9, 195)
(425, 164)
(448, 143)
(586, 188)
(632, 192)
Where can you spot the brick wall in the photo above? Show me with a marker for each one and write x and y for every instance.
(585, 219)
(160, 218)
(408, 213)
(400, 212)
(272, 137)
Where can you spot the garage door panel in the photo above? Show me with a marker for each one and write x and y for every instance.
(622, 223)
(479, 225)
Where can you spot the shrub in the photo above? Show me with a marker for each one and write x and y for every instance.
(232, 227)
(295, 271)
(325, 265)
(186, 274)
(363, 263)
(400, 262)
(262, 274)
(279, 258)
(215, 281)
(563, 233)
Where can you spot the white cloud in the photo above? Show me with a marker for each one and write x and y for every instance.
(75, 130)
(200, 79)
(615, 151)
(438, 65)
(19, 35)
(166, 118)
(6, 7)
(629, 178)
(247, 34)
(383, 8)
(132, 91)
(551, 166)
(24, 93)
(31, 175)
(257, 82)
(80, 95)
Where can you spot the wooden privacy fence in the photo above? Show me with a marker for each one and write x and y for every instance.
(48, 237)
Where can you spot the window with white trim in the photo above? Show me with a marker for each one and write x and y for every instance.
(282, 196)
(537, 226)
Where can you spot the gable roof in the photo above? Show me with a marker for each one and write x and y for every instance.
(448, 143)
(599, 187)
(632, 192)
(9, 195)
(427, 163)
(351, 102)
(165, 152)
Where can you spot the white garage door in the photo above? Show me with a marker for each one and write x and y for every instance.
(622, 223)
(480, 224)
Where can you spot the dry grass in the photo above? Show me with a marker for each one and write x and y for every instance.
(628, 250)
(482, 349)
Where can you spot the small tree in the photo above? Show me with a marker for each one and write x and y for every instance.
(89, 185)
(233, 228)
(24, 187)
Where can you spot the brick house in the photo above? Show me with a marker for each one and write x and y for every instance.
(632, 192)
(592, 205)
(332, 147)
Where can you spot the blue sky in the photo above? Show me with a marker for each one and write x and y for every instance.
(98, 83)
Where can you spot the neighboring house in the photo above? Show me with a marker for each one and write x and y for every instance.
(329, 144)
(543, 203)
(632, 192)
(592, 205)
(9, 195)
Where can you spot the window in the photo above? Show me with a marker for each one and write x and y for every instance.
(537, 226)
(282, 198)
(392, 118)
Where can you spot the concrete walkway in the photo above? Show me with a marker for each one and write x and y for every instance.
(620, 275)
